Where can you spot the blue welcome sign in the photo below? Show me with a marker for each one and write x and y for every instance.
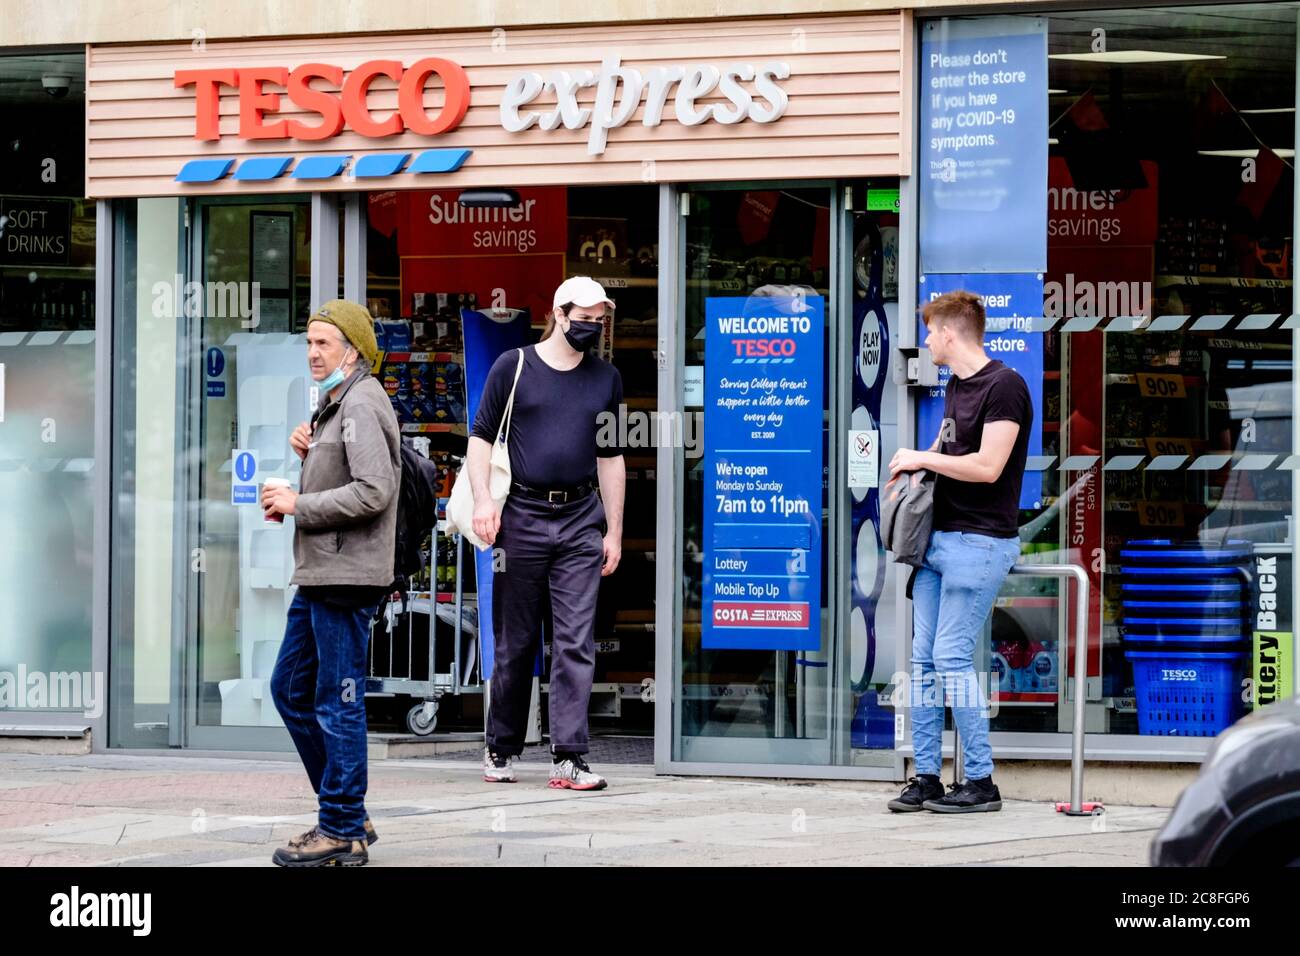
(763, 462)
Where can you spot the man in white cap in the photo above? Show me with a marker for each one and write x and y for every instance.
(557, 535)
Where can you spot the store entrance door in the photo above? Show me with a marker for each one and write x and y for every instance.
(248, 387)
(779, 655)
(455, 280)
(756, 627)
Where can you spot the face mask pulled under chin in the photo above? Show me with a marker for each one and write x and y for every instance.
(582, 335)
(335, 377)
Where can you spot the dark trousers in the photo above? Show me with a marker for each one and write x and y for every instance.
(319, 688)
(555, 549)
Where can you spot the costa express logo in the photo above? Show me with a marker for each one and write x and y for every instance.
(343, 107)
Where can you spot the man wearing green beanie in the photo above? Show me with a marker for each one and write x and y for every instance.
(345, 516)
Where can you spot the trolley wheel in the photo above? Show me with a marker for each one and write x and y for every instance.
(416, 721)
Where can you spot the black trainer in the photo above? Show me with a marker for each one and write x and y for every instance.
(973, 796)
(919, 789)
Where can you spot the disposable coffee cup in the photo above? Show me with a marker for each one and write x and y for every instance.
(274, 517)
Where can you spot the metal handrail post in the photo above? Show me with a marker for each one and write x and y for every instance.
(460, 590)
(1076, 808)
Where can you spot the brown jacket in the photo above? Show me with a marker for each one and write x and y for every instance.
(346, 514)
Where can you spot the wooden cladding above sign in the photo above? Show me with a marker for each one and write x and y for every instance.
(791, 98)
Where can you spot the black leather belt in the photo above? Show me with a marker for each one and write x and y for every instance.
(556, 496)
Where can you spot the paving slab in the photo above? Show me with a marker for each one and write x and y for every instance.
(166, 810)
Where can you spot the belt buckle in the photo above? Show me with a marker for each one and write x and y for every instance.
(551, 497)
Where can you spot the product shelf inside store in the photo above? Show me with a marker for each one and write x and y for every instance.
(1134, 378)
(425, 428)
(1018, 699)
(627, 282)
(418, 601)
(1258, 345)
(1132, 504)
(1249, 505)
(418, 357)
(444, 597)
(1026, 601)
(1119, 441)
(1239, 282)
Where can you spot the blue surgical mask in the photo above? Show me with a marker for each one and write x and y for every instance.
(334, 378)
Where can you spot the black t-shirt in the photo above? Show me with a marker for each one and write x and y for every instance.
(554, 426)
(995, 393)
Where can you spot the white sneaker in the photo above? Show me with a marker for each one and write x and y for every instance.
(572, 773)
(496, 768)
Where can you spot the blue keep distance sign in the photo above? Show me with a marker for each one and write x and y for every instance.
(1011, 303)
(763, 461)
(983, 145)
(243, 477)
(215, 364)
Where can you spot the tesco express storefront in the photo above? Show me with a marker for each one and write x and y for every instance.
(763, 200)
(713, 176)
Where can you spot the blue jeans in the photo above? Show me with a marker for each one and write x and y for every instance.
(319, 688)
(952, 596)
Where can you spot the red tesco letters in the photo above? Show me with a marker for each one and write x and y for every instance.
(346, 107)
(763, 348)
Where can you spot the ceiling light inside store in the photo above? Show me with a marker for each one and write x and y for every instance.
(1134, 56)
(1282, 153)
(1276, 109)
(498, 198)
(1052, 92)
(1053, 141)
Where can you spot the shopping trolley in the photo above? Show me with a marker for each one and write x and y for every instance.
(406, 657)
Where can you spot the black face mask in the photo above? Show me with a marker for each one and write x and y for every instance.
(583, 335)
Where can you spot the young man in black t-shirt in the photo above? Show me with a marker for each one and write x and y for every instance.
(557, 537)
(979, 460)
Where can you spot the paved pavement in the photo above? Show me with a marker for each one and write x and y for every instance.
(119, 810)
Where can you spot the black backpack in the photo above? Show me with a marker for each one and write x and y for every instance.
(417, 512)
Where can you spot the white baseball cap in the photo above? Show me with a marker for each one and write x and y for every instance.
(582, 291)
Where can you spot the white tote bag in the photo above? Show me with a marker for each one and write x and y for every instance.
(460, 507)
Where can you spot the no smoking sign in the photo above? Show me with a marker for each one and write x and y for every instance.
(864, 458)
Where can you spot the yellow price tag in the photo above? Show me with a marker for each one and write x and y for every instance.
(1161, 514)
(1169, 446)
(1161, 386)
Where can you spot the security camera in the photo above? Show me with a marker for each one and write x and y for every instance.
(56, 84)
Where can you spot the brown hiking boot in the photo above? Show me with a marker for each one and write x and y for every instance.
(371, 836)
(319, 850)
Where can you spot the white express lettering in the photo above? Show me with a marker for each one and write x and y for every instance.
(619, 91)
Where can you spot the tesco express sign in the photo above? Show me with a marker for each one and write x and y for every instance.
(341, 103)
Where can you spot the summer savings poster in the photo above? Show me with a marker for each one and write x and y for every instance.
(510, 258)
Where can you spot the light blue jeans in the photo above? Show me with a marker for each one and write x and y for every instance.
(952, 596)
